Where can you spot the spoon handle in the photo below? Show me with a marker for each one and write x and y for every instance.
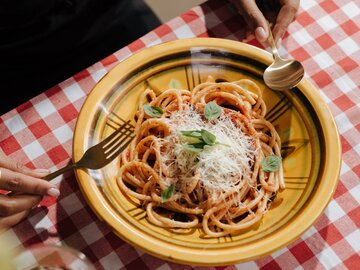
(273, 45)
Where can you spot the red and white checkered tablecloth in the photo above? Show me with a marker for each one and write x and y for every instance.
(325, 37)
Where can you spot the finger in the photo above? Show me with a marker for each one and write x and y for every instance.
(8, 222)
(286, 15)
(253, 17)
(9, 163)
(14, 181)
(13, 204)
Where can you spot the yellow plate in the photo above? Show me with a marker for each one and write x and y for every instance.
(311, 150)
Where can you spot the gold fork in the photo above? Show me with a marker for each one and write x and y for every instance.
(102, 153)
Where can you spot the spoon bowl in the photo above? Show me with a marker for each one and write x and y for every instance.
(282, 74)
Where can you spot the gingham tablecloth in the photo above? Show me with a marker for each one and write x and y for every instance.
(325, 37)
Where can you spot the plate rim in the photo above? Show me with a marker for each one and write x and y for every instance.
(332, 163)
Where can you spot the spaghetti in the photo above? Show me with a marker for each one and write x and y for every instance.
(198, 158)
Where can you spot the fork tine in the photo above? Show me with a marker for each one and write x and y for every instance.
(112, 135)
(120, 147)
(116, 132)
(127, 131)
(119, 142)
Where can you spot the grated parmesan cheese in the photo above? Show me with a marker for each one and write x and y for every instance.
(222, 166)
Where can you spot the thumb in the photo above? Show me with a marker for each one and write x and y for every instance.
(254, 18)
(286, 15)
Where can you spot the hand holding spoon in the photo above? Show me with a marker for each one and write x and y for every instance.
(282, 74)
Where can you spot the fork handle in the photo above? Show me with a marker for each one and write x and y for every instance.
(60, 171)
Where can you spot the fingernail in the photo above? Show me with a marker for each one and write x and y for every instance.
(53, 192)
(260, 34)
(42, 171)
(278, 43)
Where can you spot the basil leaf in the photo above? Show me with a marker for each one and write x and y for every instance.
(212, 111)
(271, 163)
(191, 133)
(153, 111)
(167, 193)
(194, 147)
(175, 84)
(208, 137)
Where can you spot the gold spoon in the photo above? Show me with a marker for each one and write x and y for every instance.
(282, 74)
